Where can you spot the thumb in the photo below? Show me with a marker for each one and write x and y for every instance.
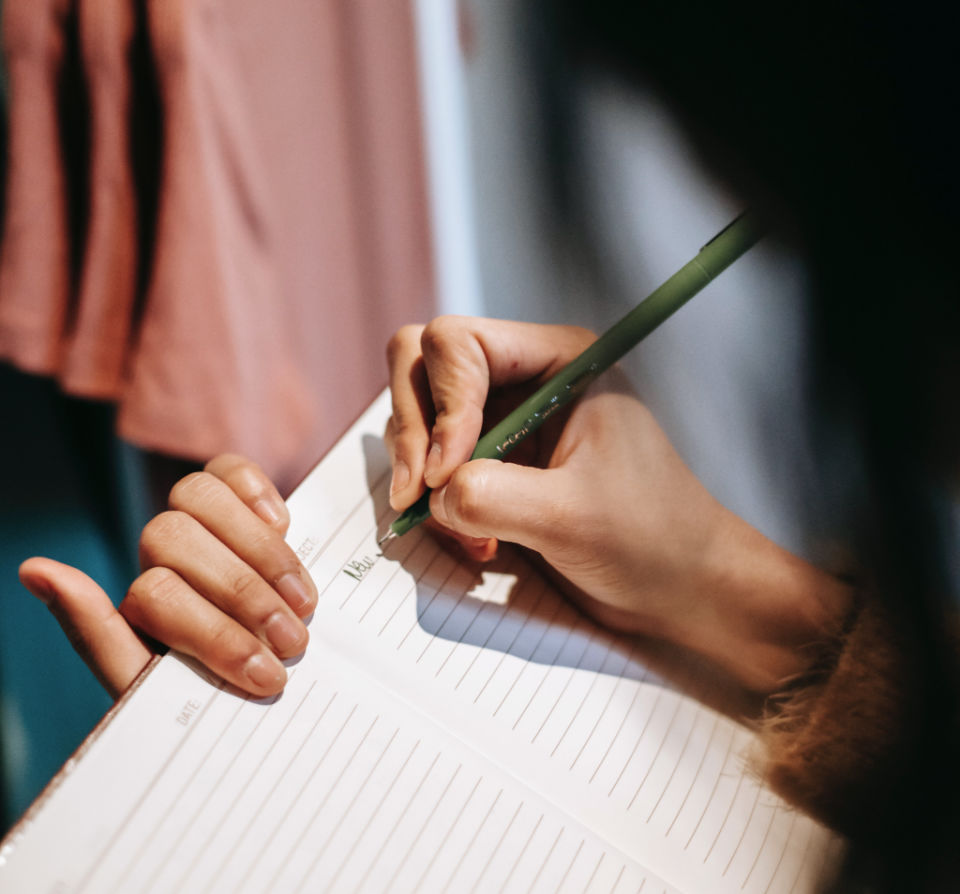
(489, 498)
(98, 632)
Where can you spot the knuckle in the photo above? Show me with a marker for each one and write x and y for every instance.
(404, 424)
(401, 340)
(438, 332)
(224, 640)
(583, 335)
(192, 488)
(150, 592)
(266, 543)
(240, 474)
(160, 532)
(464, 497)
(269, 552)
(246, 586)
(225, 461)
(405, 428)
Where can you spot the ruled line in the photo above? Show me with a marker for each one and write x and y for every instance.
(473, 840)
(369, 534)
(509, 649)
(264, 848)
(597, 676)
(100, 857)
(743, 831)
(485, 643)
(783, 850)
(576, 854)
(436, 635)
(497, 846)
(426, 822)
(449, 832)
(546, 859)
(696, 775)
(396, 825)
(760, 850)
(426, 608)
(416, 544)
(606, 707)
(803, 858)
(673, 770)
(726, 817)
(275, 787)
(548, 627)
(363, 501)
(217, 783)
(636, 744)
(656, 755)
(254, 814)
(566, 685)
(616, 881)
(356, 794)
(507, 578)
(593, 874)
(138, 854)
(716, 784)
(271, 885)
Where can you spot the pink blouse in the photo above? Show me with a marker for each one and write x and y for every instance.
(290, 235)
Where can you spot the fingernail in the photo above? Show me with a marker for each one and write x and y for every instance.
(284, 633)
(295, 592)
(482, 549)
(437, 508)
(268, 511)
(264, 671)
(433, 459)
(401, 477)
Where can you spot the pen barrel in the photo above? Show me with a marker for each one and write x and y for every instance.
(412, 516)
(718, 254)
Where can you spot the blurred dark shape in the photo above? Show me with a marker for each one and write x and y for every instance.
(836, 121)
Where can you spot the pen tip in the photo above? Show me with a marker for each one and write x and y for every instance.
(387, 538)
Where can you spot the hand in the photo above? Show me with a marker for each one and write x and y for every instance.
(612, 507)
(218, 583)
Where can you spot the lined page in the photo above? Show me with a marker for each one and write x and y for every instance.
(449, 728)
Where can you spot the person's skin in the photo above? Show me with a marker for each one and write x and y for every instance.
(218, 583)
(613, 509)
(606, 502)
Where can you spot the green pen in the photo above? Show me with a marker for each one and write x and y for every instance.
(568, 384)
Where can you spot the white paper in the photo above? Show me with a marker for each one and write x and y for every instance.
(449, 728)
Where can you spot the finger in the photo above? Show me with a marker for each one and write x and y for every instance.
(101, 636)
(221, 511)
(408, 430)
(164, 606)
(476, 549)
(178, 542)
(251, 484)
(464, 358)
(487, 498)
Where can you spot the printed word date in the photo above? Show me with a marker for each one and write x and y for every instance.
(187, 712)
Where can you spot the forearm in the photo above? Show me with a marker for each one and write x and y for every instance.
(762, 611)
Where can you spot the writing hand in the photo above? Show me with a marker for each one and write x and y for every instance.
(218, 583)
(610, 505)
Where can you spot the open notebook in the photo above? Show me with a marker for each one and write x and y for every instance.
(449, 728)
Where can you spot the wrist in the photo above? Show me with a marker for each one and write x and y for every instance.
(764, 609)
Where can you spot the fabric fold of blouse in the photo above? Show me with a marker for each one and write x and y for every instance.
(222, 232)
